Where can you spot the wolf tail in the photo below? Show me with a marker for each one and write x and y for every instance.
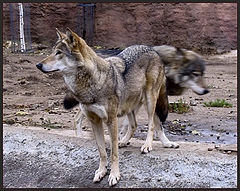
(69, 101)
(162, 104)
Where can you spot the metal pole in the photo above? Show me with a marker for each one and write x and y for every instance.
(29, 24)
(12, 29)
(18, 42)
(78, 21)
(25, 29)
(21, 24)
(87, 24)
(27, 11)
(92, 23)
(83, 19)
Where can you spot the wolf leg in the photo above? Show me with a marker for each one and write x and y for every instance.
(161, 135)
(99, 136)
(127, 126)
(114, 176)
(131, 129)
(78, 123)
(151, 104)
(124, 128)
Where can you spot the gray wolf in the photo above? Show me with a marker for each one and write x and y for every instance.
(111, 87)
(184, 69)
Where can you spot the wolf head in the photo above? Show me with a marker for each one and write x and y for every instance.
(191, 74)
(184, 69)
(68, 53)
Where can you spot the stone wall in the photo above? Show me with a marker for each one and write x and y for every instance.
(203, 27)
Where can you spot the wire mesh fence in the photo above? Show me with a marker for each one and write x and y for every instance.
(85, 22)
(20, 23)
(20, 28)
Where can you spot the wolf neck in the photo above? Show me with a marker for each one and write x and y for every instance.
(87, 81)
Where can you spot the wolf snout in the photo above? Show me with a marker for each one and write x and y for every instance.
(39, 66)
(206, 91)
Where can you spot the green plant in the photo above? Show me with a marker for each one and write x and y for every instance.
(179, 107)
(47, 123)
(211, 87)
(217, 103)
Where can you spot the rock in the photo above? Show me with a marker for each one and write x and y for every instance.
(178, 174)
(22, 82)
(125, 24)
(147, 179)
(199, 99)
(217, 146)
(28, 93)
(193, 103)
(9, 121)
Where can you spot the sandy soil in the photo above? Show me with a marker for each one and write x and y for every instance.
(32, 105)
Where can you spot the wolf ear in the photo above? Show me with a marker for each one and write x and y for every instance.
(179, 51)
(60, 34)
(72, 37)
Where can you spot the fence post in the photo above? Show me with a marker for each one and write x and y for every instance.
(21, 27)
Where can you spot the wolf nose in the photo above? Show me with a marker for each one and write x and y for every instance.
(206, 91)
(39, 66)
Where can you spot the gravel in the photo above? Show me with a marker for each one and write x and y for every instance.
(37, 158)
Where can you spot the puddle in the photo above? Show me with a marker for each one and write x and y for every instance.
(178, 130)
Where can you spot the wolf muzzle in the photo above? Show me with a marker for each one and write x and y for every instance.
(206, 91)
(39, 66)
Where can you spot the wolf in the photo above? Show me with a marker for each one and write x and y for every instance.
(109, 88)
(184, 69)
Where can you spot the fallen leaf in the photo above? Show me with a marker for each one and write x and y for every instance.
(21, 113)
(195, 132)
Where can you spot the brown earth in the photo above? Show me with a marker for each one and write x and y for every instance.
(33, 100)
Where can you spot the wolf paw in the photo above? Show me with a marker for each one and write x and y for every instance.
(171, 145)
(123, 144)
(99, 174)
(113, 179)
(146, 149)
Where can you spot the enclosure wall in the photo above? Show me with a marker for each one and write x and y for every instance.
(204, 27)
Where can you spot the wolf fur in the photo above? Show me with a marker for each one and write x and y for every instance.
(111, 87)
(184, 69)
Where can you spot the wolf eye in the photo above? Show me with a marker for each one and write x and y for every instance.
(58, 52)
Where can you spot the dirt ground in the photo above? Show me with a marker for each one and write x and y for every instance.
(33, 101)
